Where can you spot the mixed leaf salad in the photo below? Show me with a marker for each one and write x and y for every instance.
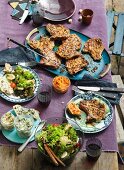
(18, 81)
(62, 139)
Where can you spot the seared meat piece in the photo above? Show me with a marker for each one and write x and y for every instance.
(58, 31)
(94, 109)
(95, 47)
(77, 64)
(69, 47)
(44, 45)
(51, 60)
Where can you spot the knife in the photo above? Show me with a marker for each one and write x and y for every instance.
(23, 63)
(104, 94)
(25, 47)
(107, 89)
(25, 13)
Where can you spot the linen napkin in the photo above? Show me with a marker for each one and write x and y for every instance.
(16, 54)
(18, 8)
(92, 82)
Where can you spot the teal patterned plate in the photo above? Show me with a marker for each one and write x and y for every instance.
(16, 99)
(13, 136)
(89, 128)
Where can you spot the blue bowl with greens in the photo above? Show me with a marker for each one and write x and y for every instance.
(59, 141)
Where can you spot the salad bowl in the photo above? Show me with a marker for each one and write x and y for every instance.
(59, 140)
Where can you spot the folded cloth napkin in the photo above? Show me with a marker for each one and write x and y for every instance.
(90, 81)
(16, 54)
(18, 8)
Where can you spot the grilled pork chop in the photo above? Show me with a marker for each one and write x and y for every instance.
(94, 109)
(69, 47)
(95, 47)
(44, 45)
(58, 31)
(75, 65)
(51, 60)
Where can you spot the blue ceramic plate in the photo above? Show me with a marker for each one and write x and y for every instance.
(96, 127)
(94, 68)
(13, 136)
(16, 99)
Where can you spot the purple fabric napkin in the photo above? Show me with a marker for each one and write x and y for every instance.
(98, 28)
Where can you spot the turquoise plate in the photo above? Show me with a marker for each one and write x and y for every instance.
(13, 136)
(88, 128)
(95, 69)
(15, 99)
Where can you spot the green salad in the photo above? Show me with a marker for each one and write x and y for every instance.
(62, 139)
(22, 81)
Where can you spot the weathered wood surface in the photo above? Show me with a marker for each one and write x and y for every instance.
(117, 79)
(118, 6)
(119, 111)
(30, 159)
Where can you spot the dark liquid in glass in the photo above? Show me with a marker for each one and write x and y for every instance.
(37, 19)
(93, 151)
(44, 98)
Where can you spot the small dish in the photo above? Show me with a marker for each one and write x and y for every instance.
(7, 121)
(23, 125)
(61, 84)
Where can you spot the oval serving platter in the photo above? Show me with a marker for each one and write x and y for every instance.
(96, 127)
(16, 99)
(94, 69)
(13, 136)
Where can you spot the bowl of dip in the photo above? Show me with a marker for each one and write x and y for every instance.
(23, 125)
(7, 121)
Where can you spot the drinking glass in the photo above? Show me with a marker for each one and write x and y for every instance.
(44, 94)
(93, 148)
(87, 15)
(37, 15)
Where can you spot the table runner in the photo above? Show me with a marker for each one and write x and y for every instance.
(98, 28)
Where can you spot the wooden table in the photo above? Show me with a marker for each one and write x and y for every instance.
(30, 159)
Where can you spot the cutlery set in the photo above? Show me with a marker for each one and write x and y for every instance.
(104, 91)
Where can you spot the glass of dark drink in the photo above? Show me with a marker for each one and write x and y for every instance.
(44, 94)
(93, 148)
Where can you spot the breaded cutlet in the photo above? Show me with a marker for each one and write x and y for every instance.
(95, 47)
(75, 65)
(58, 32)
(70, 47)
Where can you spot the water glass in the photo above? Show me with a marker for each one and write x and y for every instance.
(44, 94)
(37, 16)
(93, 148)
